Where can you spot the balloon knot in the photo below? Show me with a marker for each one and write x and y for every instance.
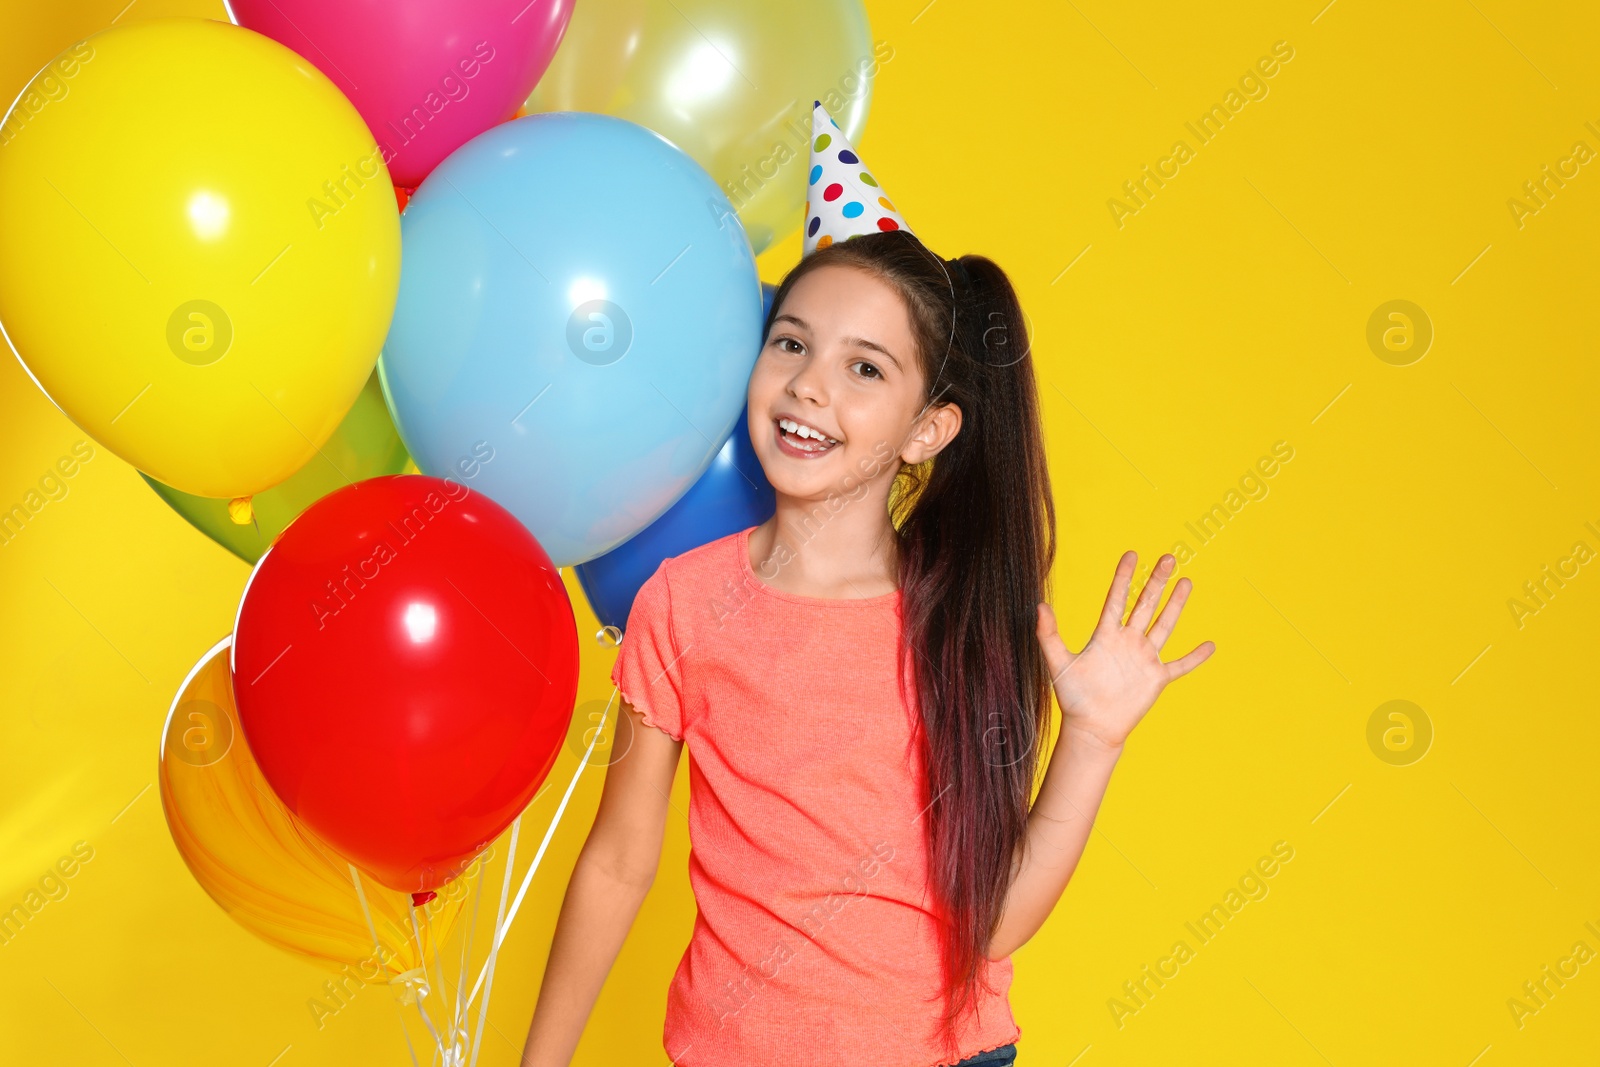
(419, 899)
(409, 985)
(240, 511)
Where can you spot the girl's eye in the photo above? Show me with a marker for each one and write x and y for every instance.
(781, 341)
(876, 373)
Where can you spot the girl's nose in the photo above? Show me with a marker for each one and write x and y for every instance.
(807, 383)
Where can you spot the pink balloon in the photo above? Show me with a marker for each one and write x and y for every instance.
(427, 75)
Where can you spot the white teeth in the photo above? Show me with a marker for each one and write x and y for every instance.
(801, 430)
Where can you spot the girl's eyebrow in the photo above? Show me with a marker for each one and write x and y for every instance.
(859, 342)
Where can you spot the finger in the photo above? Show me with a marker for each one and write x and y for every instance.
(1169, 614)
(1117, 596)
(1150, 595)
(1057, 656)
(1184, 664)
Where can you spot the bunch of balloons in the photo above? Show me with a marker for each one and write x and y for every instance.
(201, 234)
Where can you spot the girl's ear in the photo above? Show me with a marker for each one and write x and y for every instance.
(935, 429)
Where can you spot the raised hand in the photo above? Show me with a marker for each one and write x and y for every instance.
(1106, 689)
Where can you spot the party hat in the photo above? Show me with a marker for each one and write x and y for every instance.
(843, 199)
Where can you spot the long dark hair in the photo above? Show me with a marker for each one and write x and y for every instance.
(976, 537)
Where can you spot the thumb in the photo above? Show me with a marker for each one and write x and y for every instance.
(1056, 655)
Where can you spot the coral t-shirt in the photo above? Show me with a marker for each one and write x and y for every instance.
(815, 941)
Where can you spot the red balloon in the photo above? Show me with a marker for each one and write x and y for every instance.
(405, 663)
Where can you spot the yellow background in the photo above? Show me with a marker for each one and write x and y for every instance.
(1228, 314)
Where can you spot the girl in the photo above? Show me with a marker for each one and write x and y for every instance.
(863, 684)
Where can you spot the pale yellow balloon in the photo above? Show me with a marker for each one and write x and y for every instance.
(730, 84)
(199, 250)
(265, 868)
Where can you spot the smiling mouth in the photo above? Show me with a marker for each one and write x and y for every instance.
(800, 447)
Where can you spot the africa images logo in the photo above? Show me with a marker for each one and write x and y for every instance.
(1252, 86)
(199, 332)
(453, 86)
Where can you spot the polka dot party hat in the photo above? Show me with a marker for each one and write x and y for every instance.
(843, 199)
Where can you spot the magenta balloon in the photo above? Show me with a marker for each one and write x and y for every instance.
(427, 75)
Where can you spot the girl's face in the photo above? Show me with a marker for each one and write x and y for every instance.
(841, 363)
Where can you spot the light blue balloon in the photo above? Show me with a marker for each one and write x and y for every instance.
(578, 302)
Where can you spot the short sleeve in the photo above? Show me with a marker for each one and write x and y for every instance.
(647, 671)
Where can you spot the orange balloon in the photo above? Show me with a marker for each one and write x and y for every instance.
(265, 868)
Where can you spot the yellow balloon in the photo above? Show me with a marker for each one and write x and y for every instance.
(199, 250)
(264, 867)
(730, 84)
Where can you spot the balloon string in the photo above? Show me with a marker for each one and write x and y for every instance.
(355, 877)
(560, 810)
(458, 1009)
(422, 991)
(504, 927)
(505, 891)
(377, 951)
(452, 1059)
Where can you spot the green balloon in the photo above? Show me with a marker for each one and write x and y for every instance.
(730, 84)
(365, 445)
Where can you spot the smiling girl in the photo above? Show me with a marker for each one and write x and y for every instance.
(863, 684)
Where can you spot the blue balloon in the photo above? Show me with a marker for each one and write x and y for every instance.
(577, 302)
(732, 495)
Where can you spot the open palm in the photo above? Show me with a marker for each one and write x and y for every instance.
(1105, 689)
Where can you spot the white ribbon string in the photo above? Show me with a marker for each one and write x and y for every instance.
(355, 877)
(451, 1053)
(502, 924)
(500, 916)
(422, 991)
(377, 953)
(458, 1009)
(527, 880)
